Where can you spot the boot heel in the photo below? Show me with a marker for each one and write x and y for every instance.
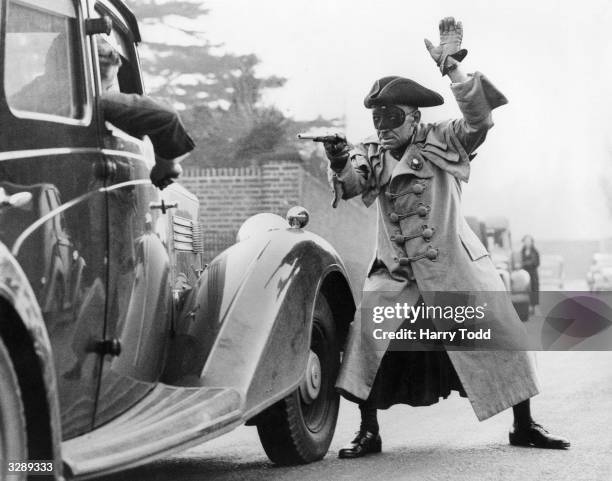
(377, 446)
(517, 439)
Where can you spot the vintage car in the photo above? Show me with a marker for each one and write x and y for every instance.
(118, 344)
(494, 233)
(599, 275)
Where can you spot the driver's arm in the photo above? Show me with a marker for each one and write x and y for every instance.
(139, 115)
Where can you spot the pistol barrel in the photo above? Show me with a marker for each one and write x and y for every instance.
(319, 138)
(306, 137)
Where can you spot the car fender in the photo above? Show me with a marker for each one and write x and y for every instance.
(247, 324)
(21, 313)
(505, 277)
(520, 281)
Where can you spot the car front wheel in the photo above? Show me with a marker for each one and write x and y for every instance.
(299, 428)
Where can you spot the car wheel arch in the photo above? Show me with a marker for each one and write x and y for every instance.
(337, 291)
(42, 435)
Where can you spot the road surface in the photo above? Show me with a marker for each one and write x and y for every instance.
(440, 442)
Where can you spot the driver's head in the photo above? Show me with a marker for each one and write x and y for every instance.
(395, 103)
(110, 61)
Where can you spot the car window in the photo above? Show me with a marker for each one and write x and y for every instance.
(128, 79)
(128, 73)
(42, 61)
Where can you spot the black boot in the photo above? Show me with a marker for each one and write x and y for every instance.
(526, 432)
(367, 440)
(535, 436)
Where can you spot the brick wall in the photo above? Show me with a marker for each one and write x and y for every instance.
(229, 196)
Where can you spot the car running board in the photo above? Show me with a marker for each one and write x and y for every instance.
(168, 419)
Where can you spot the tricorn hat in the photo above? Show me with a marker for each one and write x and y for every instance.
(396, 90)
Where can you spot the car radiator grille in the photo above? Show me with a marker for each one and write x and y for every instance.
(187, 235)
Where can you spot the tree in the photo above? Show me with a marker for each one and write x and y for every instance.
(219, 94)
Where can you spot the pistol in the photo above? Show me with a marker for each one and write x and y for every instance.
(321, 138)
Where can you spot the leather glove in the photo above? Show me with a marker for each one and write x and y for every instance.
(164, 172)
(451, 34)
(337, 152)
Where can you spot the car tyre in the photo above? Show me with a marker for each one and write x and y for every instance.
(299, 428)
(13, 437)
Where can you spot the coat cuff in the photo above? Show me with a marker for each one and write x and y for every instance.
(476, 98)
(335, 178)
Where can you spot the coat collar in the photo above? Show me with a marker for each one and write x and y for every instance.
(389, 168)
(406, 165)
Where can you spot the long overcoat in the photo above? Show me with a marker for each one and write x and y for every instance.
(424, 246)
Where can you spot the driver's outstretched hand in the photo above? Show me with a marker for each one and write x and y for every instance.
(165, 172)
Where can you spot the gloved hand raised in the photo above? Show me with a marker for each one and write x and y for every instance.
(451, 35)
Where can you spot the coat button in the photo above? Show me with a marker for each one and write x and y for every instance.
(432, 254)
(404, 261)
(422, 210)
(416, 164)
(418, 189)
(427, 233)
(393, 217)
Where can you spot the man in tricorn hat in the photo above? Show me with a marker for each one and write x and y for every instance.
(424, 248)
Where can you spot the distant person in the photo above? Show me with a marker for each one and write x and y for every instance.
(530, 260)
(139, 115)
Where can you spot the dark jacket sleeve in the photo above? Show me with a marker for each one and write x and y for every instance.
(536, 260)
(139, 115)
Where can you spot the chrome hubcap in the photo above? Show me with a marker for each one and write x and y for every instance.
(311, 385)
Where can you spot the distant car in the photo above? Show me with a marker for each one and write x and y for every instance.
(551, 271)
(494, 233)
(599, 276)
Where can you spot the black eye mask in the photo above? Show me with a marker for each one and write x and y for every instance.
(387, 117)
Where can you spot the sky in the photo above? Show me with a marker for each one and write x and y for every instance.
(544, 161)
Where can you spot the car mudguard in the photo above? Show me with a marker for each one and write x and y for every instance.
(247, 323)
(22, 314)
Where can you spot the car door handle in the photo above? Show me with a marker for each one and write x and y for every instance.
(163, 205)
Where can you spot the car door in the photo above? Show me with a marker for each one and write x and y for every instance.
(139, 294)
(49, 150)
